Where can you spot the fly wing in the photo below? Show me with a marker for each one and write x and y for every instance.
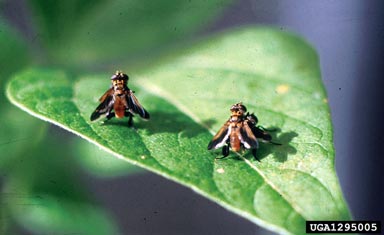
(134, 105)
(106, 104)
(108, 93)
(248, 139)
(221, 137)
(261, 134)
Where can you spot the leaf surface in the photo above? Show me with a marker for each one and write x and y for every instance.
(275, 74)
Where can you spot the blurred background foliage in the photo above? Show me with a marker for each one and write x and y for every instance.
(42, 188)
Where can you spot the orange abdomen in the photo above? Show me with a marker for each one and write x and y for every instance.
(119, 108)
(234, 139)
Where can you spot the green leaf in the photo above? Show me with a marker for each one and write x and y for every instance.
(275, 74)
(87, 32)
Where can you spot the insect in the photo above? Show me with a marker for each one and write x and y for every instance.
(240, 131)
(119, 101)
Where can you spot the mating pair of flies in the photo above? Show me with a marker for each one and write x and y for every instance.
(239, 132)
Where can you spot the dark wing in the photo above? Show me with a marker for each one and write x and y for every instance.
(248, 138)
(134, 105)
(108, 93)
(261, 134)
(106, 104)
(221, 137)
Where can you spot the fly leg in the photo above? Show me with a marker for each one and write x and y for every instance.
(225, 152)
(254, 152)
(130, 119)
(110, 115)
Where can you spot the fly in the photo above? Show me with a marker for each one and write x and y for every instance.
(240, 131)
(119, 101)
